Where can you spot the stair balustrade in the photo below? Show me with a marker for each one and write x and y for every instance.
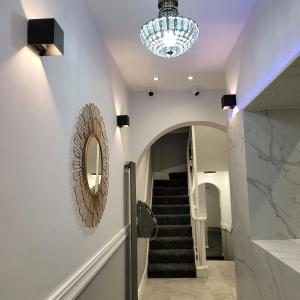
(198, 218)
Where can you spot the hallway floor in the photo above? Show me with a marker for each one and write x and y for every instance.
(220, 285)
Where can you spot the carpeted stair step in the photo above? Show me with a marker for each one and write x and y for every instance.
(169, 270)
(168, 183)
(174, 230)
(171, 209)
(173, 219)
(178, 175)
(171, 256)
(170, 200)
(214, 251)
(171, 253)
(171, 243)
(168, 191)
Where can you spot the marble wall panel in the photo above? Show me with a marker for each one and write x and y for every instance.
(264, 152)
(273, 172)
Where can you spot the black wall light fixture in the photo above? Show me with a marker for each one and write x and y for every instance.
(123, 121)
(228, 102)
(46, 37)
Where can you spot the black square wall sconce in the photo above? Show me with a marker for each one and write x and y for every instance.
(46, 37)
(123, 121)
(228, 102)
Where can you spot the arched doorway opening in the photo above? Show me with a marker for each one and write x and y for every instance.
(166, 163)
(139, 152)
(214, 250)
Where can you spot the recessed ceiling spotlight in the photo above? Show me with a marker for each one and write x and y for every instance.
(155, 78)
(190, 78)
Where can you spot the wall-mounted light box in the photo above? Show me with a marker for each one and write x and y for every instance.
(228, 102)
(46, 37)
(123, 120)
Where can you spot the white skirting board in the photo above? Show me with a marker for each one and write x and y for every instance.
(70, 289)
(202, 272)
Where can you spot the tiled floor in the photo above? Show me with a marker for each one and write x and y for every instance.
(220, 285)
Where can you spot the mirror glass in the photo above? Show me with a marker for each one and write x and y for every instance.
(93, 164)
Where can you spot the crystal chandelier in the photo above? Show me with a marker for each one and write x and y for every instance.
(169, 35)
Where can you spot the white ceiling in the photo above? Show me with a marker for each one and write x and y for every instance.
(220, 23)
(283, 92)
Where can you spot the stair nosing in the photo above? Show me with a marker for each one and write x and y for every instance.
(180, 265)
(175, 250)
(170, 196)
(174, 215)
(175, 225)
(173, 237)
(171, 187)
(171, 205)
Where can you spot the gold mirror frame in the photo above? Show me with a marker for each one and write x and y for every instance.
(91, 206)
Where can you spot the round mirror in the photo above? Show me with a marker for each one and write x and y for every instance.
(93, 164)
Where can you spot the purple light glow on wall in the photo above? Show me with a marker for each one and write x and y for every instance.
(265, 82)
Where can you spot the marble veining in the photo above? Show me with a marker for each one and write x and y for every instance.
(272, 141)
(248, 287)
(278, 268)
(286, 251)
(264, 153)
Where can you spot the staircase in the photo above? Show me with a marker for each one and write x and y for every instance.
(171, 254)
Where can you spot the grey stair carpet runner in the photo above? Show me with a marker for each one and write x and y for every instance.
(214, 251)
(171, 254)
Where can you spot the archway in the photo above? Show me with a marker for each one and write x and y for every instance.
(217, 191)
(138, 154)
(211, 194)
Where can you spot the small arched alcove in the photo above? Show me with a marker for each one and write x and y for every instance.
(210, 194)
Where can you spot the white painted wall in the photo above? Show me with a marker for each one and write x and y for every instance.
(221, 181)
(212, 149)
(42, 239)
(268, 43)
(152, 117)
(142, 176)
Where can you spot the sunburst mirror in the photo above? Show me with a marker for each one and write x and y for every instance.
(90, 165)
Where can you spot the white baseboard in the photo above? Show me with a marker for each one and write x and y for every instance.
(202, 272)
(76, 283)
